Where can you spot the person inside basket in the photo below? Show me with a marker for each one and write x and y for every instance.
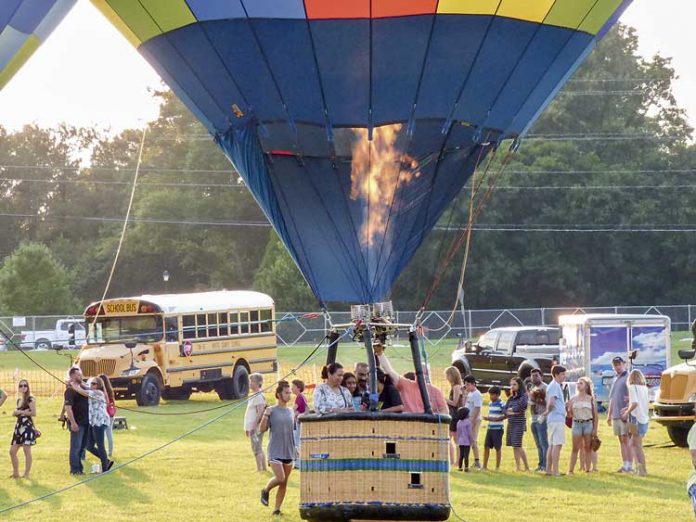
(389, 398)
(330, 396)
(408, 388)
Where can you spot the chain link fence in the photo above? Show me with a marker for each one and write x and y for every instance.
(298, 328)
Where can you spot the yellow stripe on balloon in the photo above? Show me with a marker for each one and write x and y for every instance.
(475, 7)
(529, 10)
(603, 10)
(30, 45)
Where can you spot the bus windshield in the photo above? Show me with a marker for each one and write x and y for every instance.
(141, 328)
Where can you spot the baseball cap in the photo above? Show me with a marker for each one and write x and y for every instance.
(618, 359)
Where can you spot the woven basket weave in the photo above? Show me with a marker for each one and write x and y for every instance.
(374, 466)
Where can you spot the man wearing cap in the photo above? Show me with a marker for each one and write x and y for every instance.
(618, 400)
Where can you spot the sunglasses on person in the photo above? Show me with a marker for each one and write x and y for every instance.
(23, 386)
(94, 384)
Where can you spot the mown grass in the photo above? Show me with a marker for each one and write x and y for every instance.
(210, 474)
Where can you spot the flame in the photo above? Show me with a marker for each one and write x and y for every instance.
(378, 168)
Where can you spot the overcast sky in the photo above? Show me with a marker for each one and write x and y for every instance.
(87, 74)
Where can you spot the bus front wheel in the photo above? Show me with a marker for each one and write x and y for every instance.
(150, 391)
(235, 388)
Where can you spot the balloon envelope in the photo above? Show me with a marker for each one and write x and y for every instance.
(355, 122)
(24, 26)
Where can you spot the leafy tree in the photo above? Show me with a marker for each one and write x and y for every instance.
(32, 282)
(279, 277)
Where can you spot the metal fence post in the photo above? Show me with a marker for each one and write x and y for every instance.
(543, 316)
(471, 326)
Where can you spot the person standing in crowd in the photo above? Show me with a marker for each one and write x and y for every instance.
(77, 413)
(583, 411)
(637, 414)
(464, 437)
(555, 418)
(474, 401)
(25, 433)
(618, 402)
(331, 396)
(252, 420)
(389, 399)
(408, 388)
(537, 401)
(3, 397)
(361, 371)
(298, 408)
(516, 413)
(496, 428)
(454, 402)
(111, 411)
(280, 421)
(98, 420)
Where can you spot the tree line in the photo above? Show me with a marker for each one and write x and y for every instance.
(592, 209)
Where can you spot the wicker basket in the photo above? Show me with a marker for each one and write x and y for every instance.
(374, 466)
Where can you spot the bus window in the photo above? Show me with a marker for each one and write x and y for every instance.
(234, 323)
(201, 330)
(171, 329)
(223, 324)
(189, 326)
(212, 325)
(255, 326)
(266, 325)
(244, 322)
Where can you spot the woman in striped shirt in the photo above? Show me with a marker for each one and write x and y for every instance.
(515, 410)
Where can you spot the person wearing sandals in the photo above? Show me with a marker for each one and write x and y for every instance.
(280, 421)
(637, 414)
(98, 420)
(583, 411)
(25, 434)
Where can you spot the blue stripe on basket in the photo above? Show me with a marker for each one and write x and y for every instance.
(413, 465)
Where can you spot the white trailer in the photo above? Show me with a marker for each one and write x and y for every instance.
(589, 342)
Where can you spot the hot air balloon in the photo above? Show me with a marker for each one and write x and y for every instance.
(24, 26)
(355, 123)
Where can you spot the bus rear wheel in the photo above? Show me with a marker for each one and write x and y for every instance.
(150, 391)
(235, 388)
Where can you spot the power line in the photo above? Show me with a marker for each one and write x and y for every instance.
(234, 185)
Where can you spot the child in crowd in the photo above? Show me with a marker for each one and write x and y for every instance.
(299, 408)
(252, 419)
(496, 427)
(464, 437)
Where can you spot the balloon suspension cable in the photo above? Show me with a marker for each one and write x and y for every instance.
(123, 229)
(464, 238)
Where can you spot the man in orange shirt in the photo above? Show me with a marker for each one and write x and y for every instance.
(408, 388)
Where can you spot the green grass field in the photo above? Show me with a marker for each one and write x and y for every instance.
(210, 474)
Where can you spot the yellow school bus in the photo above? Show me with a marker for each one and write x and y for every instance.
(171, 345)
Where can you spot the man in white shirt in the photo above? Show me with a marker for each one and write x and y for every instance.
(474, 401)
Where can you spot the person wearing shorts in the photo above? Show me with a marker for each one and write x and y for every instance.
(496, 427)
(474, 401)
(583, 411)
(280, 421)
(252, 419)
(555, 416)
(618, 402)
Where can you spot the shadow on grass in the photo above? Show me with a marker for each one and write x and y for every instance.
(578, 483)
(34, 489)
(121, 487)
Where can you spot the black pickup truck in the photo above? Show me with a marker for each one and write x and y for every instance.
(503, 353)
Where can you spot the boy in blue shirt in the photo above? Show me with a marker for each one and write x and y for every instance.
(494, 434)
